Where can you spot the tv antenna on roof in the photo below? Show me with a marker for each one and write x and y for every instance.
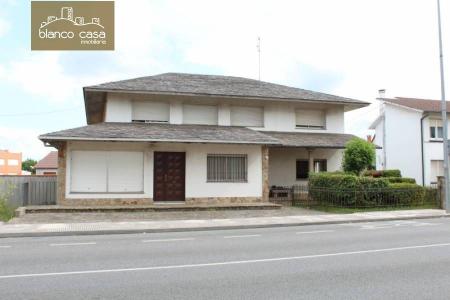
(258, 47)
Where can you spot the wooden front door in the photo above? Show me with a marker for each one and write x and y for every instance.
(169, 176)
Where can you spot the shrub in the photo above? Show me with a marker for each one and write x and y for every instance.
(400, 179)
(406, 194)
(392, 173)
(358, 156)
(6, 211)
(382, 173)
(348, 190)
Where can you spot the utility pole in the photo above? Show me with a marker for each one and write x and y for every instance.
(258, 47)
(444, 114)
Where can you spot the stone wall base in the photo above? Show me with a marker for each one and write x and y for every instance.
(223, 200)
(106, 202)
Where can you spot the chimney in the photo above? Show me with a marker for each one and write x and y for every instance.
(381, 93)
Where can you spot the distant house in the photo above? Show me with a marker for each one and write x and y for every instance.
(197, 139)
(48, 165)
(410, 133)
(10, 163)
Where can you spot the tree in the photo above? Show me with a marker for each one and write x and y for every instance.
(28, 165)
(359, 155)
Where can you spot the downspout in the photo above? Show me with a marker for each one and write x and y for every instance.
(421, 146)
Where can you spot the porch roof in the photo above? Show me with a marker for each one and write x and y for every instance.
(311, 140)
(144, 132)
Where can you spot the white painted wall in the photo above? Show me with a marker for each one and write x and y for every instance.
(278, 116)
(196, 154)
(282, 163)
(403, 145)
(42, 171)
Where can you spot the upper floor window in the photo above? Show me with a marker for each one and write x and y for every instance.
(13, 162)
(200, 114)
(247, 116)
(150, 111)
(310, 119)
(436, 130)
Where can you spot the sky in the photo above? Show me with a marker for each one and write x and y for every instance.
(350, 48)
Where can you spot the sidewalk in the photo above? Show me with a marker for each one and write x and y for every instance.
(91, 228)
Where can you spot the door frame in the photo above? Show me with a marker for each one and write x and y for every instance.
(183, 153)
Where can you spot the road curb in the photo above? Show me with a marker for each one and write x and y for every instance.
(207, 228)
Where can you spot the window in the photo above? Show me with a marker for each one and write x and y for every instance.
(226, 168)
(437, 169)
(151, 112)
(247, 116)
(200, 114)
(2, 162)
(436, 130)
(311, 119)
(302, 167)
(13, 162)
(106, 172)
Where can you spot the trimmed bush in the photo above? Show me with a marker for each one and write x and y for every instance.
(359, 155)
(406, 193)
(382, 173)
(348, 190)
(400, 180)
(392, 173)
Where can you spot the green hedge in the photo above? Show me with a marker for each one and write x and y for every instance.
(382, 173)
(347, 190)
(400, 180)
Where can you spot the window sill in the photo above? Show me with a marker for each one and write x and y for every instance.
(210, 181)
(436, 140)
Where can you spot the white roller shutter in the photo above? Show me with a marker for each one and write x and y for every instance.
(310, 118)
(247, 116)
(200, 114)
(151, 111)
(125, 172)
(88, 171)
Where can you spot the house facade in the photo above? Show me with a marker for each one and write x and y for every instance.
(10, 163)
(196, 139)
(410, 133)
(48, 165)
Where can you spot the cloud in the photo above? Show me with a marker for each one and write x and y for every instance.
(4, 27)
(23, 140)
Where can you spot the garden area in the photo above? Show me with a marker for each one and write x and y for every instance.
(361, 188)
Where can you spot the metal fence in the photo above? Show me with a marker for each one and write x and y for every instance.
(301, 195)
(29, 190)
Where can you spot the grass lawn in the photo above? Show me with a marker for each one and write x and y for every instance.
(345, 210)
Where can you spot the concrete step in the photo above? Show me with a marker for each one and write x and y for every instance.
(141, 208)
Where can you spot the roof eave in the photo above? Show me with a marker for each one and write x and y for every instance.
(349, 102)
(67, 138)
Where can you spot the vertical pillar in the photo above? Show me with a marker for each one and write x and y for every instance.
(265, 173)
(61, 178)
(310, 160)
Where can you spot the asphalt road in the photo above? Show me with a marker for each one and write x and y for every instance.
(381, 260)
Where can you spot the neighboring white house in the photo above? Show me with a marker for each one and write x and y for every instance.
(197, 139)
(409, 130)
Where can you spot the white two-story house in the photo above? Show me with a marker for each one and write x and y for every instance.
(409, 131)
(196, 139)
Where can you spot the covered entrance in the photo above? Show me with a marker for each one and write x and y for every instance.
(169, 176)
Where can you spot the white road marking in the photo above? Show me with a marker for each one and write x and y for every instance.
(73, 244)
(310, 232)
(5, 246)
(240, 236)
(168, 240)
(225, 263)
